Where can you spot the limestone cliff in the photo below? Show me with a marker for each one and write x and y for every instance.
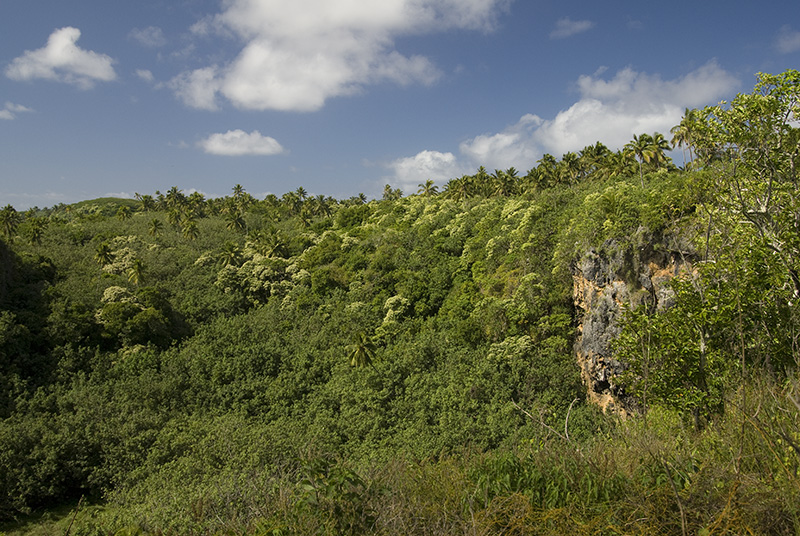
(606, 282)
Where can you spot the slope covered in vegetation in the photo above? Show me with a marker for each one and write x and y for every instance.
(406, 365)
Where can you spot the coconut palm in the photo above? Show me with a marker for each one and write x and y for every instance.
(230, 254)
(147, 201)
(136, 271)
(103, 254)
(175, 198)
(361, 352)
(659, 147)
(9, 221)
(36, 228)
(683, 132)
(124, 212)
(155, 227)
(570, 168)
(235, 221)
(189, 230)
(427, 188)
(641, 148)
(617, 164)
(547, 171)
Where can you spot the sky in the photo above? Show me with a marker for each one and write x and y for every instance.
(113, 97)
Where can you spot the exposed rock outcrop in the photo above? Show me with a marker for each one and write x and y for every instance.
(606, 282)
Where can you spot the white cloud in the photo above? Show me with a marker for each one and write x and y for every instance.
(610, 110)
(62, 60)
(240, 143)
(427, 165)
(10, 110)
(567, 27)
(152, 36)
(788, 40)
(145, 75)
(494, 151)
(197, 88)
(297, 55)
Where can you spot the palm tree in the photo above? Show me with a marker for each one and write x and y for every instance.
(173, 216)
(147, 201)
(230, 254)
(124, 212)
(617, 164)
(391, 195)
(505, 183)
(457, 189)
(570, 168)
(659, 147)
(103, 254)
(292, 202)
(683, 132)
(547, 171)
(155, 227)
(361, 352)
(190, 231)
(175, 198)
(592, 157)
(428, 188)
(9, 221)
(136, 271)
(641, 148)
(235, 221)
(196, 201)
(36, 229)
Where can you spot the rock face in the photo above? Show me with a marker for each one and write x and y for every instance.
(605, 285)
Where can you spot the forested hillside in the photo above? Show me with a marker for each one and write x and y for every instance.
(407, 365)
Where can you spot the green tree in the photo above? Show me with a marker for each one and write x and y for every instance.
(641, 147)
(391, 195)
(428, 188)
(36, 229)
(103, 254)
(123, 212)
(230, 254)
(754, 146)
(9, 221)
(361, 352)
(190, 230)
(136, 272)
(156, 227)
(147, 202)
(683, 132)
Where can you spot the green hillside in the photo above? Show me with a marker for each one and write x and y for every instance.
(407, 365)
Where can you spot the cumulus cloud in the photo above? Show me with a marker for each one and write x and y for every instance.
(609, 110)
(151, 37)
(788, 40)
(62, 60)
(427, 165)
(10, 110)
(297, 55)
(567, 27)
(240, 143)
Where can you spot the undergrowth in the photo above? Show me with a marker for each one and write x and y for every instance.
(651, 474)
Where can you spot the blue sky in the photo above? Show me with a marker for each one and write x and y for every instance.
(112, 97)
